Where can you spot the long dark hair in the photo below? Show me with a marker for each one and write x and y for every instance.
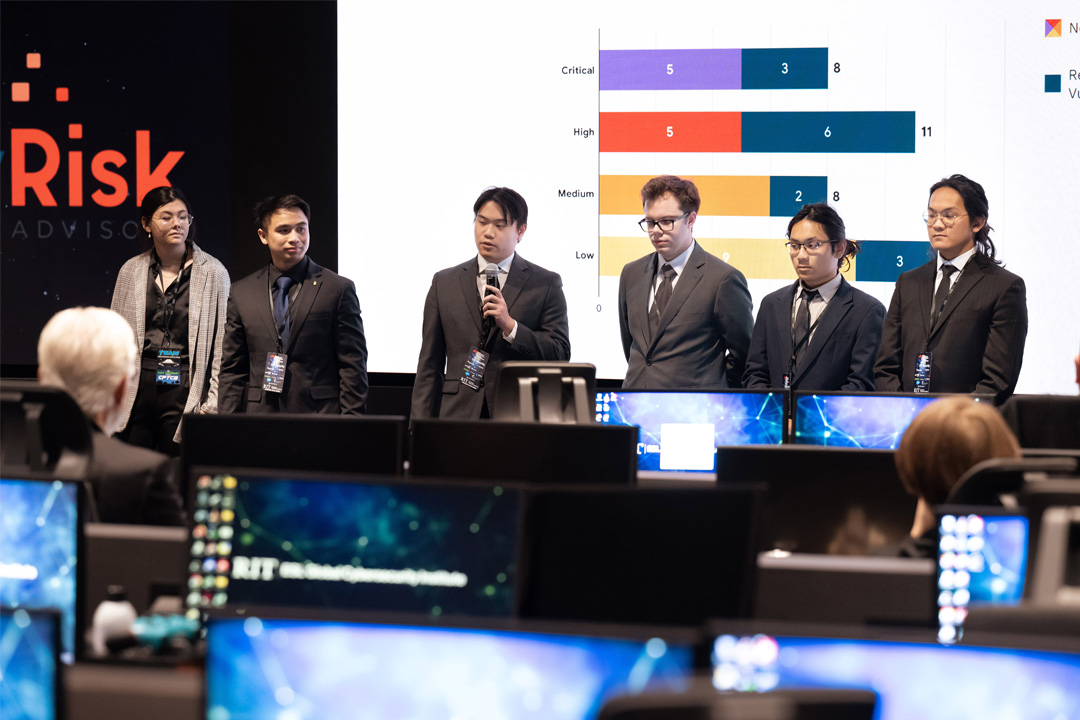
(163, 196)
(976, 206)
(834, 228)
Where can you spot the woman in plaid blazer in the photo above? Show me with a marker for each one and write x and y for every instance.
(175, 297)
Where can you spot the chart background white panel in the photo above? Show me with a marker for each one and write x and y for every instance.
(439, 101)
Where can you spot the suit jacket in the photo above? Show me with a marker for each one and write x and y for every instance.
(208, 295)
(841, 352)
(132, 485)
(326, 370)
(452, 324)
(703, 336)
(977, 342)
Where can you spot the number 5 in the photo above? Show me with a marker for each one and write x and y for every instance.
(670, 130)
(670, 69)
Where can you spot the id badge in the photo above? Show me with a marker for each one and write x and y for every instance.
(274, 377)
(922, 372)
(787, 381)
(168, 366)
(472, 375)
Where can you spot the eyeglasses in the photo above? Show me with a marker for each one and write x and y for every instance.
(182, 219)
(666, 224)
(949, 219)
(811, 247)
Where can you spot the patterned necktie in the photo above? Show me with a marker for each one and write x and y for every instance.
(802, 323)
(942, 293)
(660, 300)
(281, 307)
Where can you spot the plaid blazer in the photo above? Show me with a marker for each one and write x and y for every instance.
(208, 296)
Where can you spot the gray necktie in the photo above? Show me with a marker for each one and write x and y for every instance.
(802, 322)
(660, 300)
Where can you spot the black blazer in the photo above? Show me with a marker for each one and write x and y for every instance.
(842, 350)
(452, 325)
(132, 485)
(977, 342)
(326, 371)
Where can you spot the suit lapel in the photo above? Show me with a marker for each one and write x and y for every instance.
(471, 294)
(924, 293)
(515, 281)
(304, 302)
(969, 278)
(264, 303)
(692, 273)
(829, 320)
(637, 301)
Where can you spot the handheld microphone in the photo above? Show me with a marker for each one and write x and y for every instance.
(492, 273)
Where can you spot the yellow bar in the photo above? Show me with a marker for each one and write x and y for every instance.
(723, 195)
(756, 258)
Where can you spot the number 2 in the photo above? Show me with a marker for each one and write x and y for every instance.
(798, 196)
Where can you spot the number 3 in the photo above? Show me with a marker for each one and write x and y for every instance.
(899, 261)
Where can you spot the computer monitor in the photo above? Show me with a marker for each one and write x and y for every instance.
(982, 560)
(313, 443)
(41, 551)
(259, 668)
(523, 452)
(679, 431)
(148, 561)
(913, 676)
(823, 500)
(30, 665)
(547, 392)
(263, 539)
(857, 420)
(671, 555)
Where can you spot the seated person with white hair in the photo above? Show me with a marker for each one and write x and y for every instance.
(90, 352)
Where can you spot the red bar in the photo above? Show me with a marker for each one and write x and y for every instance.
(670, 132)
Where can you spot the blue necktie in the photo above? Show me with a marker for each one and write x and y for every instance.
(281, 308)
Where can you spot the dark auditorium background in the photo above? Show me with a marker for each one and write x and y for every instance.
(245, 90)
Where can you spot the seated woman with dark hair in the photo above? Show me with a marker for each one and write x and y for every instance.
(944, 441)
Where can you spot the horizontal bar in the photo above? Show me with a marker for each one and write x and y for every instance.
(785, 69)
(756, 258)
(884, 260)
(670, 69)
(726, 195)
(671, 131)
(822, 132)
(787, 194)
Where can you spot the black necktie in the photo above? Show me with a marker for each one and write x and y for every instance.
(942, 293)
(660, 300)
(802, 322)
(281, 307)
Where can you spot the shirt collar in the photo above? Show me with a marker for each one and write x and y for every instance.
(504, 266)
(826, 291)
(958, 262)
(297, 272)
(679, 262)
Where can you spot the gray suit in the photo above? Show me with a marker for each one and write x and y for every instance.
(703, 335)
(452, 324)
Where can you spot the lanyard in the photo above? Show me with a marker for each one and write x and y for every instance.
(168, 294)
(299, 285)
(937, 315)
(796, 347)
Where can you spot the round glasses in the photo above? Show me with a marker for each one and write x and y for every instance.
(182, 219)
(665, 224)
(949, 219)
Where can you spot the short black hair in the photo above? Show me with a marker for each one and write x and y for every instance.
(156, 197)
(834, 228)
(514, 208)
(975, 205)
(272, 204)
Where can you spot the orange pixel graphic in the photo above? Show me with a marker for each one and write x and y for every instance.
(20, 92)
(62, 95)
(33, 60)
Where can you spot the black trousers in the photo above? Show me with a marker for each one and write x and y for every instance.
(157, 413)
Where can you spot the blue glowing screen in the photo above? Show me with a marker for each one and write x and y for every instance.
(929, 682)
(297, 670)
(28, 665)
(982, 560)
(857, 421)
(39, 529)
(679, 431)
(312, 543)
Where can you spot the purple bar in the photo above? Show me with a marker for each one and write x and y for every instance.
(670, 69)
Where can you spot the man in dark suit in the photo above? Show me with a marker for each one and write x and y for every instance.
(294, 340)
(495, 307)
(820, 333)
(961, 318)
(91, 353)
(685, 315)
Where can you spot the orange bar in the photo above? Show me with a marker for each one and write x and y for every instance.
(726, 195)
(671, 132)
